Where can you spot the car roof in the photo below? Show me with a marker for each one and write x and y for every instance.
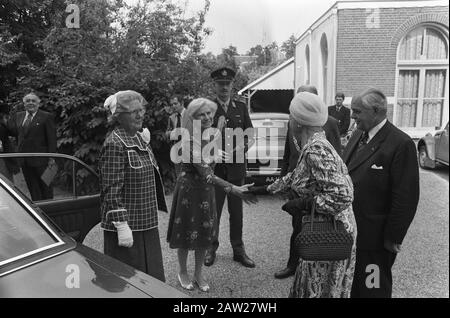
(268, 115)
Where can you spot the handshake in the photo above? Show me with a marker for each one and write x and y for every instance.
(257, 190)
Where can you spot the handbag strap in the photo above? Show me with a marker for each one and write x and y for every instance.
(313, 210)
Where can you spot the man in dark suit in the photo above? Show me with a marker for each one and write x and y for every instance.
(290, 159)
(341, 113)
(382, 162)
(174, 122)
(230, 114)
(8, 166)
(35, 132)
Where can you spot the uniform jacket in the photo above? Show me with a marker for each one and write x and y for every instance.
(131, 186)
(290, 157)
(385, 177)
(39, 137)
(237, 116)
(342, 116)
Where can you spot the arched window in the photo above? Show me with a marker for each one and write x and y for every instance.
(307, 66)
(324, 54)
(422, 62)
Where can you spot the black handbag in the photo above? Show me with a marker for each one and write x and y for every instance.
(322, 238)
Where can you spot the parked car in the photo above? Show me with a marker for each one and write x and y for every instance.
(433, 148)
(41, 251)
(265, 156)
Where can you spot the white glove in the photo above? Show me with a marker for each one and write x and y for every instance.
(124, 234)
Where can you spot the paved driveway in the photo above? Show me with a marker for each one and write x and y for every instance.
(421, 269)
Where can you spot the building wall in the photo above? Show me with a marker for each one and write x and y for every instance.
(300, 62)
(365, 42)
(327, 27)
(366, 55)
(367, 45)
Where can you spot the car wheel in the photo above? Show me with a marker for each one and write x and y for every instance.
(423, 156)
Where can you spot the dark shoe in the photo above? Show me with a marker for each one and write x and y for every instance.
(210, 258)
(244, 260)
(284, 273)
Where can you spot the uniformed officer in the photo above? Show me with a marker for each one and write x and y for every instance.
(236, 116)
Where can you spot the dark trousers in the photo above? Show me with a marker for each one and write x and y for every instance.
(235, 211)
(364, 274)
(296, 228)
(145, 254)
(38, 189)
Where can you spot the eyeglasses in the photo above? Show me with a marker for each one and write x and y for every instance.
(140, 112)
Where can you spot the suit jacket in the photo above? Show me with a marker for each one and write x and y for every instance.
(386, 186)
(7, 146)
(342, 116)
(4, 138)
(171, 125)
(39, 137)
(291, 154)
(237, 116)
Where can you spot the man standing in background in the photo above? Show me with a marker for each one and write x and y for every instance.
(235, 115)
(35, 131)
(174, 122)
(340, 113)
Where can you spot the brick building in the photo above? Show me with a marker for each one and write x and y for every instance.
(400, 47)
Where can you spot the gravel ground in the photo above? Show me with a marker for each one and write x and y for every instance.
(421, 269)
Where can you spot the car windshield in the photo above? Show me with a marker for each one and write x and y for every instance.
(21, 233)
(268, 128)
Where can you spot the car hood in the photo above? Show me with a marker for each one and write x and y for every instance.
(85, 273)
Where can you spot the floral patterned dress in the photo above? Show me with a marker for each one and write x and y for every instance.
(193, 215)
(320, 170)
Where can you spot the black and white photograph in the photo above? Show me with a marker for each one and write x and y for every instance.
(236, 152)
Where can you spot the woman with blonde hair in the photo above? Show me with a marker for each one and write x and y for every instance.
(193, 214)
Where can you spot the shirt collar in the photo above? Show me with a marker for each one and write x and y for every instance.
(221, 102)
(129, 141)
(32, 114)
(376, 129)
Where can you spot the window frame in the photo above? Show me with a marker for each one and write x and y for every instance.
(38, 218)
(422, 65)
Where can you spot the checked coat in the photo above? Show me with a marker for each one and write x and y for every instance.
(131, 185)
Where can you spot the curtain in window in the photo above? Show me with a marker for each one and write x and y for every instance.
(436, 47)
(433, 98)
(411, 46)
(408, 92)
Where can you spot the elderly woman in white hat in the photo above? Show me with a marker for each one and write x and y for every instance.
(320, 176)
(131, 188)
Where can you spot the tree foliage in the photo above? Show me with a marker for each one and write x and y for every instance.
(148, 47)
(288, 47)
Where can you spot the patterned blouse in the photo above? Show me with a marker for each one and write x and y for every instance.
(131, 186)
(321, 172)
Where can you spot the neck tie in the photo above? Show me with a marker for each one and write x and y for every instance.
(363, 141)
(225, 107)
(178, 120)
(27, 121)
